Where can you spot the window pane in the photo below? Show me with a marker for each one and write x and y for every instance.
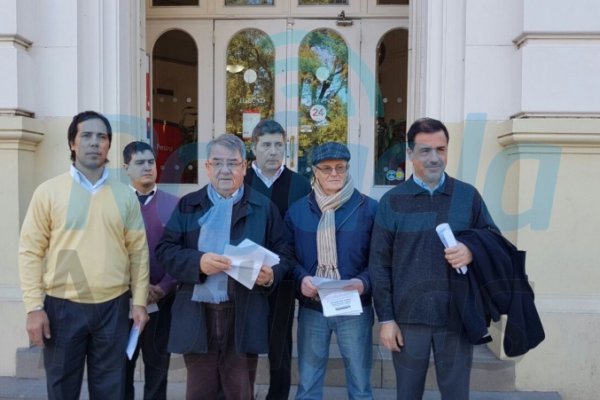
(161, 3)
(249, 2)
(392, 2)
(320, 2)
(250, 82)
(323, 93)
(175, 94)
(390, 122)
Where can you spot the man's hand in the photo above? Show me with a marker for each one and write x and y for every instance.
(356, 284)
(212, 263)
(458, 256)
(307, 288)
(391, 336)
(265, 276)
(140, 316)
(155, 293)
(38, 327)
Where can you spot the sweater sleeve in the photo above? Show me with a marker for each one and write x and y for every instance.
(380, 261)
(34, 241)
(137, 248)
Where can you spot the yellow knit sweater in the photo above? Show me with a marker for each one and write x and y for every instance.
(87, 248)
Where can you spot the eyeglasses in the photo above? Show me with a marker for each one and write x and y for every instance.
(231, 165)
(339, 169)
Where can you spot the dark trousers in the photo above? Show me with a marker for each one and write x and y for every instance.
(281, 319)
(221, 368)
(153, 344)
(453, 355)
(97, 333)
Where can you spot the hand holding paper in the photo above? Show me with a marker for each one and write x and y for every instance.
(447, 237)
(336, 299)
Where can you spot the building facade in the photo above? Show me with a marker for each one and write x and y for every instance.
(516, 82)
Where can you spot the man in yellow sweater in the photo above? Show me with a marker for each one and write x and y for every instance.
(82, 250)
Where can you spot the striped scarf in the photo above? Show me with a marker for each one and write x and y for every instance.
(326, 246)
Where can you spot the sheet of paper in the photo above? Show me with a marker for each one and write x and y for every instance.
(340, 302)
(447, 237)
(134, 335)
(152, 308)
(245, 263)
(270, 257)
(337, 301)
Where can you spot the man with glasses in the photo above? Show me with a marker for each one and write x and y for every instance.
(219, 325)
(271, 177)
(330, 230)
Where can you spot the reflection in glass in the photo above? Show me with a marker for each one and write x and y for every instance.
(390, 121)
(323, 93)
(163, 3)
(174, 98)
(392, 2)
(320, 2)
(250, 82)
(248, 2)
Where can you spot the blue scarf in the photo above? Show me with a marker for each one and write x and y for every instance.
(215, 231)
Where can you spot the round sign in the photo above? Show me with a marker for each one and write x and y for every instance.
(250, 76)
(318, 113)
(322, 73)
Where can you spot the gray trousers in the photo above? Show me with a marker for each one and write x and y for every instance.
(453, 355)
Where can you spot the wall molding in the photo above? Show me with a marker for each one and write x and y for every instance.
(20, 133)
(531, 36)
(16, 112)
(568, 304)
(573, 134)
(16, 40)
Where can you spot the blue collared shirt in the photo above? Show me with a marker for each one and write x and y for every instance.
(426, 187)
(85, 182)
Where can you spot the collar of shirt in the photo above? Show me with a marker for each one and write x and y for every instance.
(426, 187)
(266, 180)
(150, 193)
(85, 182)
(232, 194)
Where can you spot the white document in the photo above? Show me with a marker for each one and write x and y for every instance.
(337, 301)
(245, 263)
(447, 237)
(270, 257)
(152, 308)
(134, 335)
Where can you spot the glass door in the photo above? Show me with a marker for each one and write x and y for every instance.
(303, 73)
(324, 93)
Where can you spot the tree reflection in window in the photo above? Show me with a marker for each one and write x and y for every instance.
(250, 81)
(321, 2)
(323, 93)
(248, 2)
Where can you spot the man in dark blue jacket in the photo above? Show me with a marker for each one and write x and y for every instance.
(218, 324)
(331, 231)
(410, 269)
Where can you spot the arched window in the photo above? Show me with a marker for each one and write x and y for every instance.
(323, 93)
(175, 105)
(390, 121)
(250, 82)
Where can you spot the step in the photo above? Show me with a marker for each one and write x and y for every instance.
(488, 372)
(35, 389)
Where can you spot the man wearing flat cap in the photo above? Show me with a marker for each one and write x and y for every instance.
(331, 231)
